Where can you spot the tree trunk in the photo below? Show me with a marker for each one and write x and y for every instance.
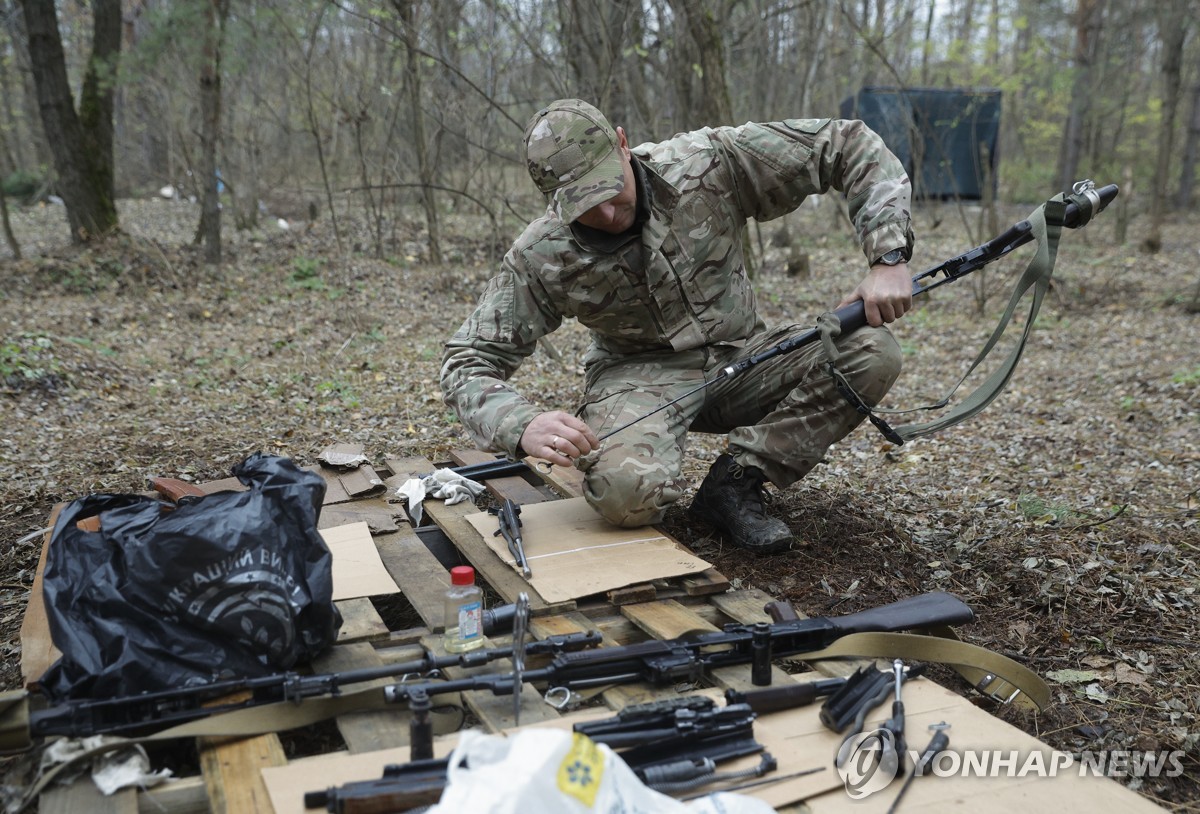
(711, 106)
(1088, 14)
(1172, 25)
(81, 143)
(1187, 176)
(9, 237)
(408, 13)
(209, 230)
(823, 10)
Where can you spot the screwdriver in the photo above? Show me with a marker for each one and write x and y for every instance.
(936, 746)
(895, 724)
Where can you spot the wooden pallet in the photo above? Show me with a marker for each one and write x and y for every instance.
(231, 776)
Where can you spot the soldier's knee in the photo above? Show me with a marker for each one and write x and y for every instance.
(630, 499)
(877, 360)
(627, 513)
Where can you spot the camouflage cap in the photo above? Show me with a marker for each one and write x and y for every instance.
(572, 154)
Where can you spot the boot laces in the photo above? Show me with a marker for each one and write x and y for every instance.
(750, 483)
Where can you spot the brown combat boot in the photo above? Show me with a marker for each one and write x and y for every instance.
(731, 500)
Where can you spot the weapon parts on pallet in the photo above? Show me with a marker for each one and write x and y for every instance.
(672, 746)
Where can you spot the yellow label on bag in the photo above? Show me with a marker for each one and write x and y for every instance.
(581, 770)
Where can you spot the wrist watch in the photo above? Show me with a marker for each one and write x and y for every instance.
(893, 258)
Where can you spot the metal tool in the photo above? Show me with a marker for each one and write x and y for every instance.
(520, 628)
(895, 724)
(936, 746)
(508, 514)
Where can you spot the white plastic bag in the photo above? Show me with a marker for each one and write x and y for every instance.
(559, 772)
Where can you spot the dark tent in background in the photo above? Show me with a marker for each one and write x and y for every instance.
(943, 137)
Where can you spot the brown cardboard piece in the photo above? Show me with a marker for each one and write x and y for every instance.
(357, 568)
(573, 552)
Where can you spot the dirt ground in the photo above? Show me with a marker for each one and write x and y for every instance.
(1067, 514)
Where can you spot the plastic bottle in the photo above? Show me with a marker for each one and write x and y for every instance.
(464, 611)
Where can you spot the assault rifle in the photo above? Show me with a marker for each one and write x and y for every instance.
(289, 699)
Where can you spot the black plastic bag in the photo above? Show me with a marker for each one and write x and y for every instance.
(233, 584)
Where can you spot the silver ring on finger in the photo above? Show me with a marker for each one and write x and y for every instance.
(554, 444)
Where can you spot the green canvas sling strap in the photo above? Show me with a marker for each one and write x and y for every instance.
(1046, 224)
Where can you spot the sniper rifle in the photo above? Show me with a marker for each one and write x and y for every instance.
(290, 702)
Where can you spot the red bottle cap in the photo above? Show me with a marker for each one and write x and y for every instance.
(462, 575)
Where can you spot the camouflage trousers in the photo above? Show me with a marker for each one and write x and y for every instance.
(781, 415)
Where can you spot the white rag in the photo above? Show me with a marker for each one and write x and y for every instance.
(444, 484)
(111, 771)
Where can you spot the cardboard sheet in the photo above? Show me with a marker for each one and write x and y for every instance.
(357, 568)
(573, 552)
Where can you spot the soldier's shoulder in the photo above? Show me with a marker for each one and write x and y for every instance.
(694, 147)
(546, 236)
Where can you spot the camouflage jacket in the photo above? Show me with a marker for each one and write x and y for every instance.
(681, 282)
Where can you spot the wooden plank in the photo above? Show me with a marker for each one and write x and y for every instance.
(567, 481)
(231, 772)
(643, 592)
(183, 795)
(360, 621)
(83, 796)
(419, 575)
(707, 582)
(744, 605)
(365, 731)
(513, 487)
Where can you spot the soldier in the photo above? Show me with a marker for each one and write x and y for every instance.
(643, 246)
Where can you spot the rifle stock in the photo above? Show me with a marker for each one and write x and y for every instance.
(402, 787)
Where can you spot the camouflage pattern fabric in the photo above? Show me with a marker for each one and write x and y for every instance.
(571, 151)
(676, 295)
(781, 415)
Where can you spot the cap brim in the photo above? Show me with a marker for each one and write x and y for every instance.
(603, 182)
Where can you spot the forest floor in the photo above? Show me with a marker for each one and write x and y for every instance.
(1067, 514)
